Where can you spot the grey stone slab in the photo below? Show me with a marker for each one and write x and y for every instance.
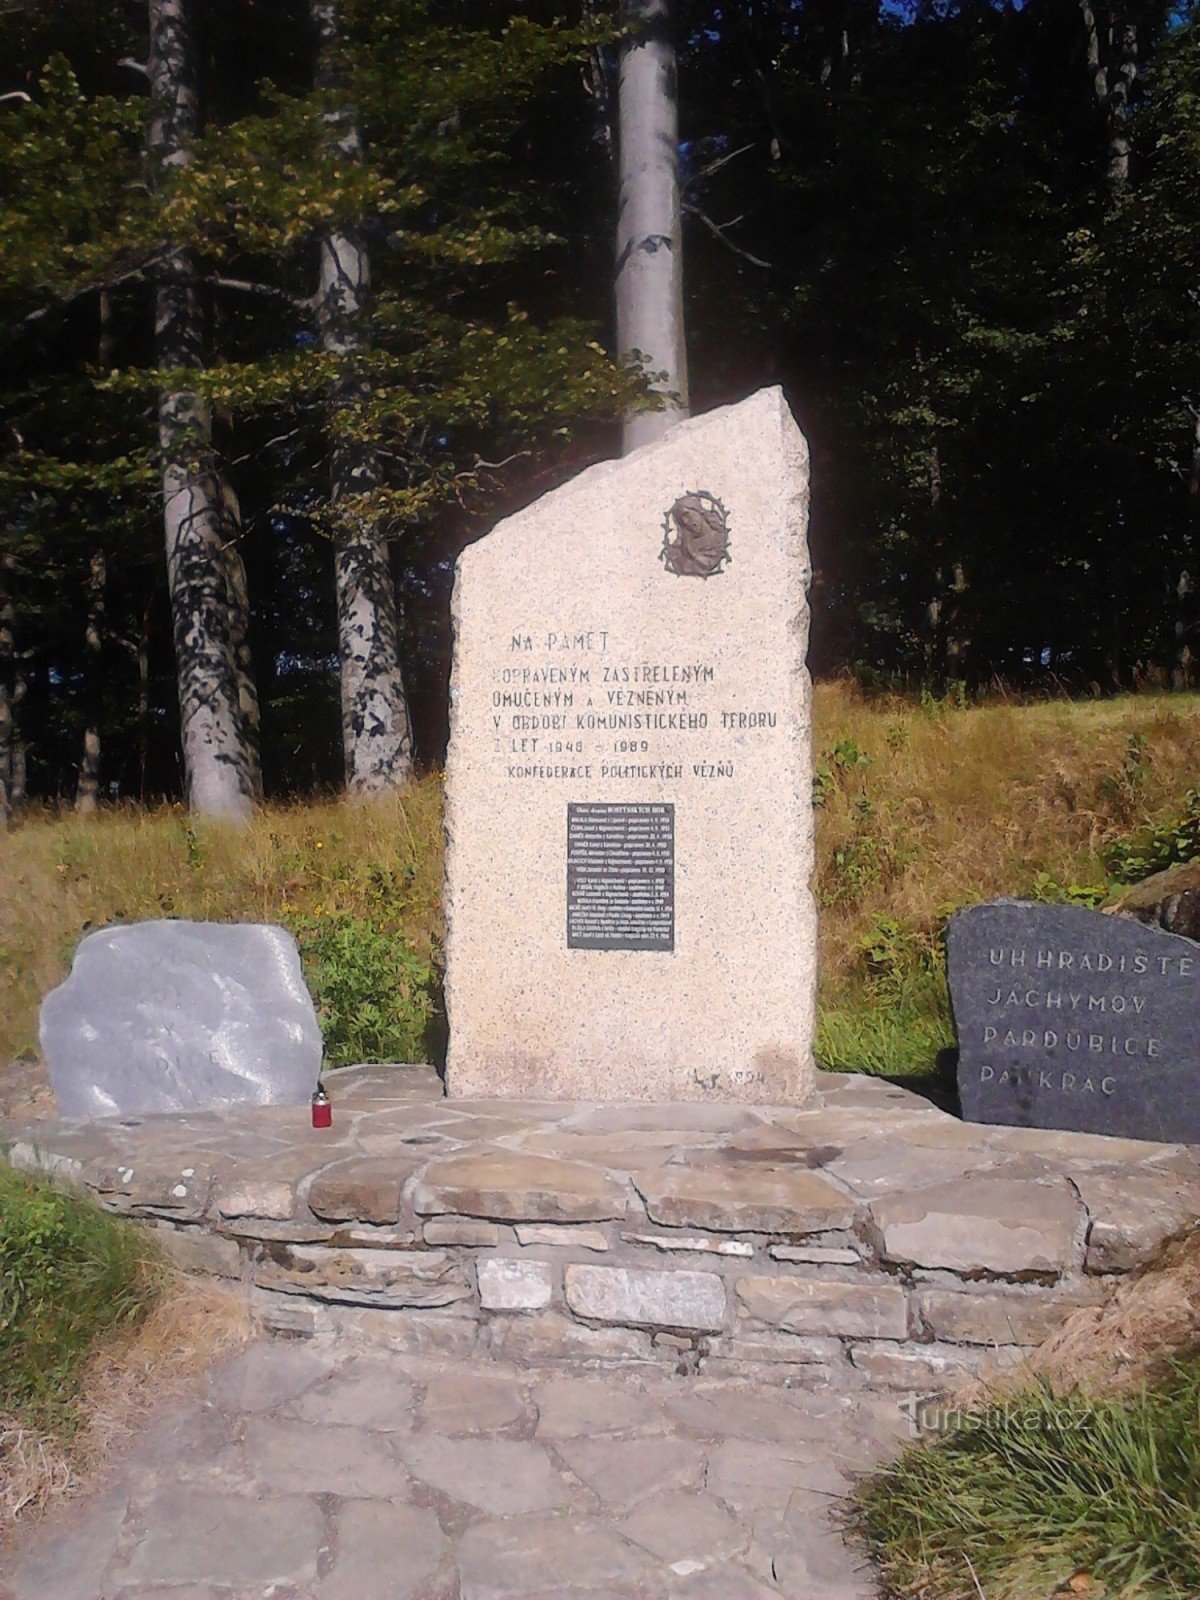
(501, 1477)
(690, 1301)
(685, 1530)
(506, 1285)
(995, 1316)
(268, 1374)
(362, 1394)
(1068, 1018)
(734, 1198)
(870, 1310)
(385, 1552)
(307, 1458)
(746, 1476)
(196, 1250)
(629, 684)
(70, 1556)
(547, 1557)
(194, 1536)
(725, 1580)
(364, 1277)
(997, 1225)
(167, 1016)
(508, 1186)
(813, 1561)
(739, 1410)
(466, 1401)
(622, 1472)
(549, 1336)
(574, 1405)
(1131, 1215)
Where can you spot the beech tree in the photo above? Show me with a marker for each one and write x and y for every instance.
(649, 256)
(217, 697)
(376, 729)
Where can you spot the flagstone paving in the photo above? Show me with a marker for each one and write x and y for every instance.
(330, 1471)
(564, 1351)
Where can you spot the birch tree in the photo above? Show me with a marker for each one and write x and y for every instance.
(649, 266)
(376, 730)
(217, 700)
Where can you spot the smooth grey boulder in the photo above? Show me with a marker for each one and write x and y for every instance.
(175, 1016)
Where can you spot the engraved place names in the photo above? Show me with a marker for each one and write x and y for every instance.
(581, 707)
(1068, 1018)
(620, 876)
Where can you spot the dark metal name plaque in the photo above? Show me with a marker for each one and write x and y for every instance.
(620, 876)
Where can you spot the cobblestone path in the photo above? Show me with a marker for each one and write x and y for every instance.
(331, 1471)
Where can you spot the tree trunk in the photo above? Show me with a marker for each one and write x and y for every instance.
(649, 270)
(217, 702)
(376, 729)
(87, 787)
(1112, 60)
(8, 737)
(1183, 668)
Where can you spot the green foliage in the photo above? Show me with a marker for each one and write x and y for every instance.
(898, 1031)
(375, 996)
(69, 1276)
(1022, 1495)
(1157, 848)
(1048, 890)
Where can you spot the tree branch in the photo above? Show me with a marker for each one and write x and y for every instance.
(715, 166)
(265, 291)
(718, 232)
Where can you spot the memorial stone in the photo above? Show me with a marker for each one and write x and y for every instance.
(629, 780)
(1069, 1018)
(175, 1016)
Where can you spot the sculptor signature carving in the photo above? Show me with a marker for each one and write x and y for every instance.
(696, 536)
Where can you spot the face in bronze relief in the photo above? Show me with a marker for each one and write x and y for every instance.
(696, 536)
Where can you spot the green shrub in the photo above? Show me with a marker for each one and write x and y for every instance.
(1020, 1497)
(375, 996)
(69, 1276)
(1156, 849)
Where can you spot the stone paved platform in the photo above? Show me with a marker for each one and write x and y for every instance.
(869, 1240)
(310, 1470)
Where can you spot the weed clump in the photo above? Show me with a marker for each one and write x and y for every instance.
(1046, 1493)
(70, 1277)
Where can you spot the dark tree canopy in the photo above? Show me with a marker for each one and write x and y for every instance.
(963, 237)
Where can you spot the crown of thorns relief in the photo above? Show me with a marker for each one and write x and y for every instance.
(696, 536)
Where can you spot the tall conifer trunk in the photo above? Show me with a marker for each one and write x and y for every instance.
(87, 786)
(649, 270)
(376, 729)
(217, 700)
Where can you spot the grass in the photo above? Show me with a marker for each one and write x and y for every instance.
(70, 1277)
(1077, 1475)
(95, 1330)
(1045, 1494)
(924, 806)
(927, 806)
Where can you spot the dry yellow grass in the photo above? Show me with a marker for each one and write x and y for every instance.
(958, 806)
(193, 1325)
(63, 875)
(1150, 1321)
(924, 808)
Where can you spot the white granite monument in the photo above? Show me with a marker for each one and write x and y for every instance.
(629, 781)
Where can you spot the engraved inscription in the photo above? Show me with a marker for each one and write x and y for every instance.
(603, 713)
(620, 876)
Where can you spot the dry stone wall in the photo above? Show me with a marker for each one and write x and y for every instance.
(872, 1237)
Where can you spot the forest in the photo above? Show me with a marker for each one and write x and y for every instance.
(298, 298)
